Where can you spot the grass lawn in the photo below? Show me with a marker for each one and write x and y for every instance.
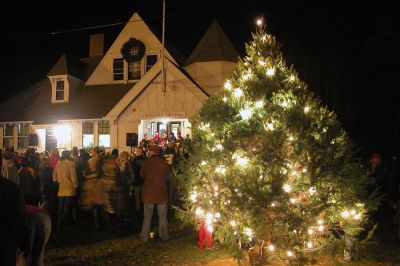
(119, 245)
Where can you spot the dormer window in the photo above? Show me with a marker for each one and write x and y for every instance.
(60, 89)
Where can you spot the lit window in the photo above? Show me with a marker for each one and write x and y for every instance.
(23, 131)
(87, 134)
(151, 60)
(60, 90)
(134, 70)
(8, 138)
(104, 134)
(118, 69)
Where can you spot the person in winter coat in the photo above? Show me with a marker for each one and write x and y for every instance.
(137, 180)
(28, 183)
(12, 223)
(155, 192)
(65, 175)
(8, 168)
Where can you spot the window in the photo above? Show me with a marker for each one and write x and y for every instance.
(151, 60)
(134, 70)
(118, 69)
(23, 131)
(104, 134)
(87, 134)
(8, 137)
(60, 90)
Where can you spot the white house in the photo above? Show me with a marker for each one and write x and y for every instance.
(105, 98)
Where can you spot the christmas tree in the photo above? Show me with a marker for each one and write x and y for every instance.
(270, 166)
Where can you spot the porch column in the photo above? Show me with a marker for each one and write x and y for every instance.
(113, 134)
(15, 136)
(96, 133)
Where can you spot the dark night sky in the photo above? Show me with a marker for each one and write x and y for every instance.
(347, 51)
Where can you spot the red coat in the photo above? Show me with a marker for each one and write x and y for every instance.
(155, 174)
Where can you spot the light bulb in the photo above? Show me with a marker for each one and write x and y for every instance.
(287, 188)
(357, 217)
(225, 99)
(270, 72)
(217, 215)
(309, 245)
(310, 231)
(199, 212)
(270, 126)
(193, 197)
(273, 204)
(245, 114)
(320, 221)
(285, 104)
(261, 63)
(259, 22)
(271, 247)
(219, 146)
(353, 212)
(291, 78)
(293, 200)
(291, 138)
(242, 161)
(220, 169)
(304, 170)
(345, 214)
(248, 231)
(307, 109)
(228, 85)
(289, 253)
(203, 163)
(260, 104)
(312, 190)
(238, 93)
(320, 228)
(233, 223)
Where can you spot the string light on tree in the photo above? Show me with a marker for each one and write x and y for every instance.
(271, 247)
(260, 104)
(287, 188)
(238, 93)
(245, 114)
(228, 85)
(307, 109)
(270, 72)
(259, 22)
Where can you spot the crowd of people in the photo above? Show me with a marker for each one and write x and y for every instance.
(106, 187)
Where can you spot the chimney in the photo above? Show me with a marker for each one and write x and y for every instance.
(96, 44)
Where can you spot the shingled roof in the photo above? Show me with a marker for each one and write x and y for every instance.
(213, 46)
(67, 65)
(34, 103)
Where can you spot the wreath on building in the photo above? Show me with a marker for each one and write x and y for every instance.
(133, 50)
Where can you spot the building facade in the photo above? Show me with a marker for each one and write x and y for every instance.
(108, 98)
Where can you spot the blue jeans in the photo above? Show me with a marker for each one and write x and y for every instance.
(64, 210)
(148, 209)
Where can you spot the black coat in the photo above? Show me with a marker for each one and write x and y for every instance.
(137, 167)
(12, 223)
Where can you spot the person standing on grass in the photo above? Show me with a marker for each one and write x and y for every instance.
(65, 175)
(154, 192)
(137, 180)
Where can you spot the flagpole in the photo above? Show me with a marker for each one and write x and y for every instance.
(164, 87)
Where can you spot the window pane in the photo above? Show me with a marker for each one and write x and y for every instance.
(22, 142)
(8, 130)
(104, 127)
(8, 142)
(134, 70)
(23, 129)
(118, 69)
(105, 140)
(59, 95)
(60, 85)
(88, 140)
(87, 128)
(151, 60)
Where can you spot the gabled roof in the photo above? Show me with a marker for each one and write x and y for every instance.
(34, 103)
(134, 93)
(213, 46)
(67, 66)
